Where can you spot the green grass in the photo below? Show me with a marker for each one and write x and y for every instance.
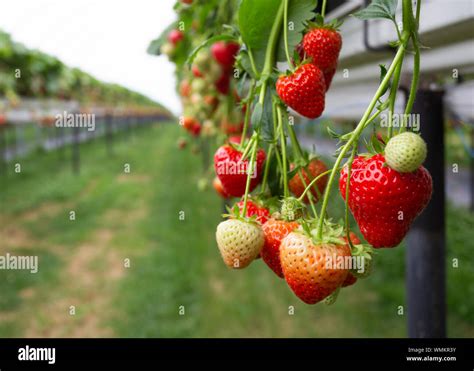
(174, 263)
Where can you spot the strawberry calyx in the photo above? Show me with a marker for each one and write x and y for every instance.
(334, 25)
(333, 233)
(291, 209)
(234, 213)
(331, 299)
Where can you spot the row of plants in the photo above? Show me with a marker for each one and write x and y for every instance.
(253, 66)
(30, 73)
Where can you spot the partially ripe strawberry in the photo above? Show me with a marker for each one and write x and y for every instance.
(187, 1)
(239, 242)
(225, 53)
(188, 122)
(216, 183)
(175, 36)
(322, 44)
(261, 212)
(385, 202)
(275, 231)
(304, 90)
(405, 152)
(315, 168)
(185, 88)
(232, 171)
(351, 278)
(305, 268)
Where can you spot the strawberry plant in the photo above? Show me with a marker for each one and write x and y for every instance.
(230, 78)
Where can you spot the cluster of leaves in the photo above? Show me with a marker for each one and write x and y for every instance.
(31, 73)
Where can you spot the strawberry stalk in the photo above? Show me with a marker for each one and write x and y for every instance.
(300, 158)
(285, 35)
(286, 191)
(346, 211)
(323, 9)
(393, 96)
(311, 184)
(250, 170)
(414, 85)
(247, 111)
(267, 169)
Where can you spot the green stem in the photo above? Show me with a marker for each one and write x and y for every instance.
(323, 9)
(250, 169)
(310, 185)
(247, 112)
(310, 194)
(414, 84)
(272, 41)
(348, 182)
(283, 152)
(285, 35)
(393, 96)
(267, 168)
(252, 63)
(356, 133)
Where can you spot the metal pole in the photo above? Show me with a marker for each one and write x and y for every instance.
(425, 274)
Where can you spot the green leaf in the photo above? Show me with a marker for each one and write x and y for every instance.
(255, 20)
(155, 45)
(378, 9)
(206, 43)
(299, 13)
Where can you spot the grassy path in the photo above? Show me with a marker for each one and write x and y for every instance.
(131, 266)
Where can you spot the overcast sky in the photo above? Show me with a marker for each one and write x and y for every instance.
(106, 38)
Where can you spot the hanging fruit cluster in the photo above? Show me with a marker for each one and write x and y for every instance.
(279, 185)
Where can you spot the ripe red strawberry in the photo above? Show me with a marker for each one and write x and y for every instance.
(315, 168)
(196, 129)
(275, 231)
(303, 90)
(175, 36)
(262, 213)
(305, 268)
(328, 75)
(224, 53)
(322, 44)
(223, 84)
(232, 171)
(383, 201)
(216, 183)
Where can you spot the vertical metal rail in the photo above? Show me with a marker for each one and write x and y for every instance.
(425, 258)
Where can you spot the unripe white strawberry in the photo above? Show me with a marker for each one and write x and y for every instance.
(167, 49)
(198, 86)
(405, 152)
(239, 242)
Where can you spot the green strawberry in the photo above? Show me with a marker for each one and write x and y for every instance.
(239, 242)
(291, 209)
(405, 152)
